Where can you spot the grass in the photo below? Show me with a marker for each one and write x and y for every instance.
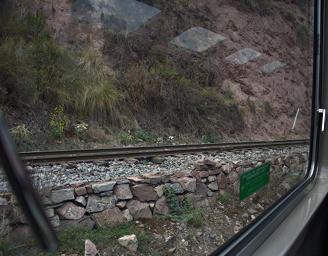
(268, 107)
(35, 69)
(303, 35)
(72, 241)
(224, 197)
(251, 106)
(162, 90)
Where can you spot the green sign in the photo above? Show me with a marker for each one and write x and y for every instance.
(254, 179)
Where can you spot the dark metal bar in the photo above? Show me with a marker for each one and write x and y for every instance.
(22, 186)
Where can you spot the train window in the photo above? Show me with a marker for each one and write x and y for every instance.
(154, 127)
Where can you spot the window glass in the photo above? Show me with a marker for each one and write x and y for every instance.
(93, 74)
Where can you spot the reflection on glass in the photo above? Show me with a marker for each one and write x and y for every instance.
(113, 73)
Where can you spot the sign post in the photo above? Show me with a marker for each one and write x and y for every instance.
(253, 180)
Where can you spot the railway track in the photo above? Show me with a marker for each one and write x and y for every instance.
(138, 152)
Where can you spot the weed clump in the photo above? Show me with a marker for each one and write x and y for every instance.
(182, 210)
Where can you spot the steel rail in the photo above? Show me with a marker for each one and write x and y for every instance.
(126, 152)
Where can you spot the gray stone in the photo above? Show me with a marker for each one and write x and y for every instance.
(98, 204)
(123, 192)
(197, 39)
(127, 215)
(243, 56)
(156, 179)
(159, 190)
(129, 242)
(157, 159)
(80, 191)
(58, 196)
(103, 187)
(271, 67)
(84, 223)
(211, 178)
(227, 168)
(90, 249)
(232, 177)
(139, 210)
(70, 211)
(121, 204)
(201, 189)
(120, 16)
(50, 212)
(161, 206)
(144, 192)
(80, 200)
(188, 184)
(3, 201)
(109, 217)
(213, 186)
(176, 187)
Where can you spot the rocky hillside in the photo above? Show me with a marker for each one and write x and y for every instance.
(85, 73)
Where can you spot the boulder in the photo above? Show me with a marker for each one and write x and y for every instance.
(98, 204)
(84, 223)
(103, 187)
(123, 192)
(70, 211)
(109, 217)
(139, 210)
(211, 178)
(58, 196)
(144, 192)
(188, 184)
(161, 206)
(129, 242)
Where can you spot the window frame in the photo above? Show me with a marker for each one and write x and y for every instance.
(251, 237)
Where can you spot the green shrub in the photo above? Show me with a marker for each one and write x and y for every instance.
(176, 207)
(58, 122)
(142, 135)
(126, 138)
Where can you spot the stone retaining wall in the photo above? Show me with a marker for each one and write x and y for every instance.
(117, 201)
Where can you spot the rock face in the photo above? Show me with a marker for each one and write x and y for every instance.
(70, 211)
(109, 217)
(129, 242)
(98, 204)
(123, 192)
(161, 206)
(90, 249)
(58, 196)
(144, 192)
(103, 187)
(139, 210)
(188, 184)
